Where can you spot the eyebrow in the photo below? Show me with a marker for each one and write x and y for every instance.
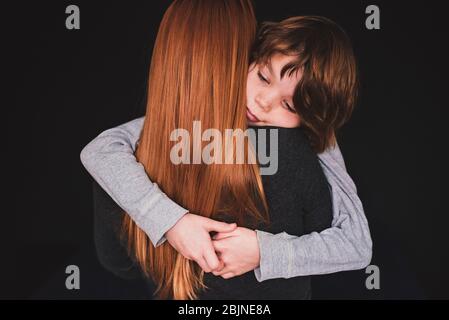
(288, 67)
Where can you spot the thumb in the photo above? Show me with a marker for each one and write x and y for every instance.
(211, 257)
(218, 226)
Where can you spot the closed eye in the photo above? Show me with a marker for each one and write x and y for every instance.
(289, 108)
(262, 78)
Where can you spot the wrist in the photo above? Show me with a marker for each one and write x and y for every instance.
(257, 249)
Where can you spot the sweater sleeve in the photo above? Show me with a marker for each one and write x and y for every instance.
(345, 246)
(110, 160)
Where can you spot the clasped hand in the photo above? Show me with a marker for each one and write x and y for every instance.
(231, 252)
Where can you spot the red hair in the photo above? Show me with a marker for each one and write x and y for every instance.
(198, 72)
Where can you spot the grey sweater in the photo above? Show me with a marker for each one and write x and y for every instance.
(347, 245)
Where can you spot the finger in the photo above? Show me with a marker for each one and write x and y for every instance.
(218, 226)
(221, 265)
(219, 245)
(219, 268)
(228, 275)
(224, 270)
(203, 265)
(223, 235)
(210, 257)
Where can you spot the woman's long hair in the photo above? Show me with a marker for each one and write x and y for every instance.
(198, 72)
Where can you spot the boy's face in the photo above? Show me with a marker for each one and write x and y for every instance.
(270, 97)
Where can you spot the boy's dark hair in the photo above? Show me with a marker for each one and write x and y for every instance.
(326, 93)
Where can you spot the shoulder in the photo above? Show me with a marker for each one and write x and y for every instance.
(291, 149)
(299, 162)
(289, 140)
(294, 148)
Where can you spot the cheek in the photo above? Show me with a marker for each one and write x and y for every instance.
(251, 89)
(290, 121)
(296, 121)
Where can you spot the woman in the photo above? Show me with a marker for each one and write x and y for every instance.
(189, 73)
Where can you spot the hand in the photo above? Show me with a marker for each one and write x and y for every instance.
(238, 250)
(190, 237)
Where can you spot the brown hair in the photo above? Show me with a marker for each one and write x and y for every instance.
(198, 72)
(326, 93)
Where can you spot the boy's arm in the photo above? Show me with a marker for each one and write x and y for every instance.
(345, 246)
(110, 159)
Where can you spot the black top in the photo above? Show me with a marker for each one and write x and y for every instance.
(299, 203)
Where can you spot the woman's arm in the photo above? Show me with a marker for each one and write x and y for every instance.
(345, 246)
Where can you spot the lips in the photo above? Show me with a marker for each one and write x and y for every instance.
(251, 117)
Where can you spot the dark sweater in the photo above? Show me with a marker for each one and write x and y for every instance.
(299, 203)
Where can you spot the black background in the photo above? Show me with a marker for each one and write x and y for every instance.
(66, 86)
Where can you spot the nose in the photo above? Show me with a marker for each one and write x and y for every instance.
(263, 102)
